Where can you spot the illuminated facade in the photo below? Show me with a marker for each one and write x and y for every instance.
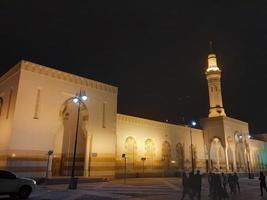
(37, 115)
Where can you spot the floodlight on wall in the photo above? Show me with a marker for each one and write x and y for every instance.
(193, 123)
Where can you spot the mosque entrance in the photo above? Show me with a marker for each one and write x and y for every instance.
(69, 114)
(217, 155)
(240, 153)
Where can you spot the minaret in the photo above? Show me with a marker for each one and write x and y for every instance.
(213, 75)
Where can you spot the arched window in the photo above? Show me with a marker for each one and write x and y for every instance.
(149, 152)
(194, 148)
(217, 154)
(240, 152)
(1, 105)
(166, 153)
(130, 151)
(180, 155)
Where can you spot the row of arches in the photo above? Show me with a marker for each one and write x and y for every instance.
(131, 151)
(240, 158)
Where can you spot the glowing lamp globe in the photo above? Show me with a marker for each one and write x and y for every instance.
(84, 97)
(193, 123)
(75, 99)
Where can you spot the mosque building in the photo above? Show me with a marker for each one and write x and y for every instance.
(38, 113)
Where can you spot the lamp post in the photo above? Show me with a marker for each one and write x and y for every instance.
(78, 99)
(125, 172)
(192, 124)
(248, 156)
(49, 153)
(143, 159)
(163, 165)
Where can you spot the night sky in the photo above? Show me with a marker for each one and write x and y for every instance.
(154, 51)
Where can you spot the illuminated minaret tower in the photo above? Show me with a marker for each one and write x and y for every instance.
(213, 75)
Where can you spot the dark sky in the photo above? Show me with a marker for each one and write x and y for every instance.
(154, 51)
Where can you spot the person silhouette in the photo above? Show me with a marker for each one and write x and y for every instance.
(192, 184)
(262, 183)
(232, 184)
(224, 181)
(236, 181)
(210, 180)
(186, 187)
(198, 184)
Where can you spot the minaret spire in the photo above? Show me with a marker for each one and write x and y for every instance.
(213, 75)
(211, 47)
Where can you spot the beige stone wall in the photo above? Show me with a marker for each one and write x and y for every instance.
(38, 126)
(8, 94)
(142, 130)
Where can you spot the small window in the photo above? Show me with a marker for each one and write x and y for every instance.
(9, 102)
(37, 105)
(1, 104)
(211, 89)
(104, 116)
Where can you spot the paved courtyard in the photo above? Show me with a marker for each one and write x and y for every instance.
(136, 189)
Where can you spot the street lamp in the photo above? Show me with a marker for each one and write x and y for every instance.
(192, 124)
(248, 156)
(49, 153)
(78, 99)
(125, 172)
(163, 165)
(143, 159)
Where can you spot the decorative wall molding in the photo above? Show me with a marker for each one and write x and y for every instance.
(141, 121)
(148, 122)
(14, 70)
(47, 71)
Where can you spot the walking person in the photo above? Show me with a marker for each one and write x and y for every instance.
(186, 187)
(262, 183)
(213, 186)
(198, 182)
(210, 183)
(232, 184)
(192, 184)
(219, 188)
(236, 181)
(224, 181)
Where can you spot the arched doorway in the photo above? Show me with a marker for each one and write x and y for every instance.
(69, 114)
(131, 152)
(180, 156)
(193, 148)
(230, 158)
(240, 152)
(166, 154)
(149, 153)
(217, 155)
(230, 154)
